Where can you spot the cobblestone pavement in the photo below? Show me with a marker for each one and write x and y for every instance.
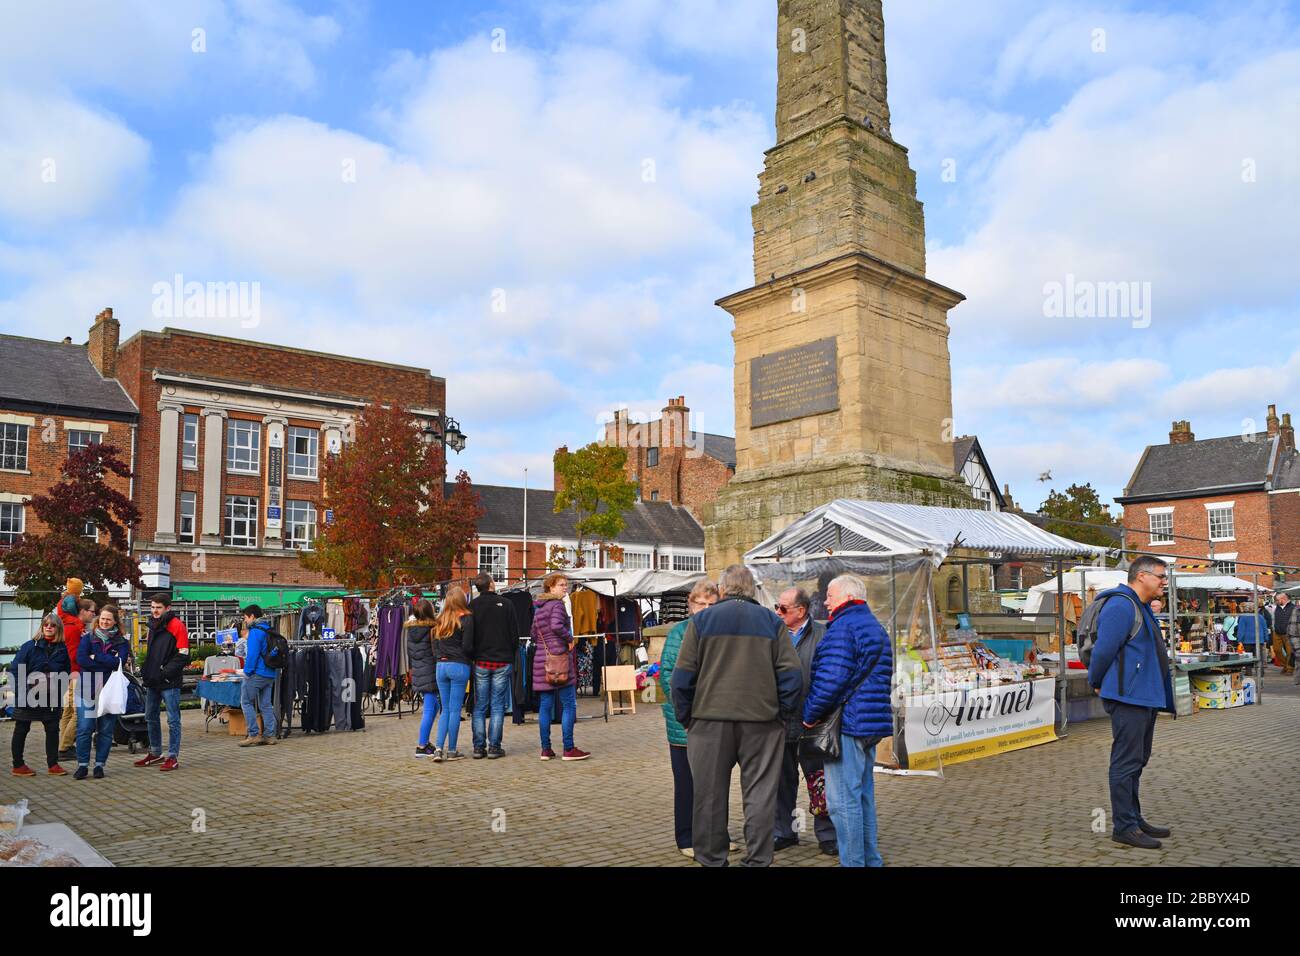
(362, 799)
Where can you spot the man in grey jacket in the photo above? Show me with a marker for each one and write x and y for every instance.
(794, 609)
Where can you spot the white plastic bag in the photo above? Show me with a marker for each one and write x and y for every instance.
(112, 699)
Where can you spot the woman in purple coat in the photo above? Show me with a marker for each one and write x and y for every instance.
(553, 634)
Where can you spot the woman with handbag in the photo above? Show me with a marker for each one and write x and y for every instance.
(43, 670)
(99, 655)
(555, 667)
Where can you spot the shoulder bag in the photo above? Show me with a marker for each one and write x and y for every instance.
(822, 742)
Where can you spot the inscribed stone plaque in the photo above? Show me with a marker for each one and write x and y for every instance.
(793, 384)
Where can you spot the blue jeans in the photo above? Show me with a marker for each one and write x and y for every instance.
(452, 679)
(87, 725)
(851, 799)
(567, 698)
(491, 687)
(257, 691)
(153, 700)
(431, 707)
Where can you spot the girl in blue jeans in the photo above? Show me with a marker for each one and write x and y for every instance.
(450, 630)
(424, 667)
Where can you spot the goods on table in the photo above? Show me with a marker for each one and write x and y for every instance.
(11, 817)
(24, 851)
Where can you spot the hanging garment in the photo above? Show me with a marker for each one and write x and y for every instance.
(338, 665)
(388, 659)
(334, 617)
(629, 620)
(586, 613)
(523, 604)
(357, 660)
(311, 620)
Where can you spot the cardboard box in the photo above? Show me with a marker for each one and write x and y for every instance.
(237, 726)
(1213, 684)
(1224, 702)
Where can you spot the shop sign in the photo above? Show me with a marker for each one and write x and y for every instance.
(955, 726)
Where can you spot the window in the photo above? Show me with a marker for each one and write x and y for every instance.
(90, 531)
(654, 496)
(11, 523)
(1225, 567)
(494, 559)
(688, 562)
(303, 445)
(299, 525)
(13, 447)
(190, 441)
(1162, 527)
(636, 560)
(77, 440)
(984, 496)
(241, 522)
(590, 555)
(652, 457)
(188, 501)
(1222, 527)
(1017, 579)
(243, 447)
(665, 562)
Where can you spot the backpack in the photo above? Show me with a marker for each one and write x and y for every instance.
(275, 654)
(1087, 633)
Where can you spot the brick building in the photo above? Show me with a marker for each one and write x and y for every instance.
(1232, 502)
(54, 399)
(514, 537)
(226, 438)
(671, 463)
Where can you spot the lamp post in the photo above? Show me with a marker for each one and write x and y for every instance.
(446, 432)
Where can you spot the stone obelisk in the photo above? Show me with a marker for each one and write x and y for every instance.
(843, 381)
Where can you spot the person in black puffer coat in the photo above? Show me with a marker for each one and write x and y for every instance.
(43, 671)
(424, 666)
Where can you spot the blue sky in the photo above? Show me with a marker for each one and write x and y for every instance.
(499, 226)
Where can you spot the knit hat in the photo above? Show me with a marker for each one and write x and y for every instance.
(74, 586)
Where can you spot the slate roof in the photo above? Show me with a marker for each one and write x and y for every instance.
(721, 447)
(51, 376)
(1204, 467)
(646, 522)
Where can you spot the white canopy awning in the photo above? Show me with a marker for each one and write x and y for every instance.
(880, 529)
(1213, 582)
(645, 583)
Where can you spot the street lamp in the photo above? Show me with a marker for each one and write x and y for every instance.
(448, 435)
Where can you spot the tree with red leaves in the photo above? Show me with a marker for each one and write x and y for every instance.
(394, 521)
(39, 564)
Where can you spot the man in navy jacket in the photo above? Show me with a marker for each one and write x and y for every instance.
(1132, 676)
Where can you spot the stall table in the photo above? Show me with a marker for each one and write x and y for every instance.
(222, 693)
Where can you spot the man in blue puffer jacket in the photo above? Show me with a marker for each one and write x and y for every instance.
(259, 680)
(1132, 675)
(854, 665)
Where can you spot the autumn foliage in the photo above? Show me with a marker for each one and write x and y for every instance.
(394, 520)
(39, 564)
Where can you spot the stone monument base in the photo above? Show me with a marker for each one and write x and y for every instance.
(754, 507)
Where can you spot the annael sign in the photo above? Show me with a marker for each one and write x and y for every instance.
(963, 725)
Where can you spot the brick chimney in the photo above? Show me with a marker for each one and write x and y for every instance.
(674, 423)
(1273, 424)
(103, 343)
(555, 475)
(1182, 434)
(1287, 433)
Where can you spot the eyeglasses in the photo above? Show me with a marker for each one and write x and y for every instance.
(1158, 577)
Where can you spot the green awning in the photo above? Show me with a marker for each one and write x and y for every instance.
(264, 597)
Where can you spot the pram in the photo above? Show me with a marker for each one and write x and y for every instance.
(132, 728)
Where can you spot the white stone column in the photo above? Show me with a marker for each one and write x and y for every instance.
(168, 454)
(276, 464)
(214, 463)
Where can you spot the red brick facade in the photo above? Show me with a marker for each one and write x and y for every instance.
(684, 474)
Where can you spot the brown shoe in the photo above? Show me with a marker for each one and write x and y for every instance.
(250, 741)
(267, 741)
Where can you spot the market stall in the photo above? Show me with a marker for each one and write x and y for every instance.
(954, 697)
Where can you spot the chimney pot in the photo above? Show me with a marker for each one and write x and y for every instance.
(1273, 423)
(1181, 434)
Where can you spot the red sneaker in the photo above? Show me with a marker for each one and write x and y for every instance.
(171, 763)
(148, 761)
(57, 771)
(547, 754)
(26, 771)
(575, 754)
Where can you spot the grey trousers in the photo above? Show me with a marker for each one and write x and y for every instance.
(787, 795)
(339, 665)
(714, 747)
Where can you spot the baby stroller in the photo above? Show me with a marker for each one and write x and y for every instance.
(132, 728)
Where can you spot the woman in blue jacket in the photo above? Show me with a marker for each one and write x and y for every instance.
(98, 656)
(43, 670)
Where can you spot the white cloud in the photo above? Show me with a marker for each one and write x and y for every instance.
(1057, 385)
(60, 159)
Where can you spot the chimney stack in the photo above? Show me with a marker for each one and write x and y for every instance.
(1181, 434)
(1287, 434)
(103, 343)
(1273, 424)
(674, 423)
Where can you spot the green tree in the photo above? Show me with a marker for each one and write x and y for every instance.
(593, 482)
(1074, 509)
